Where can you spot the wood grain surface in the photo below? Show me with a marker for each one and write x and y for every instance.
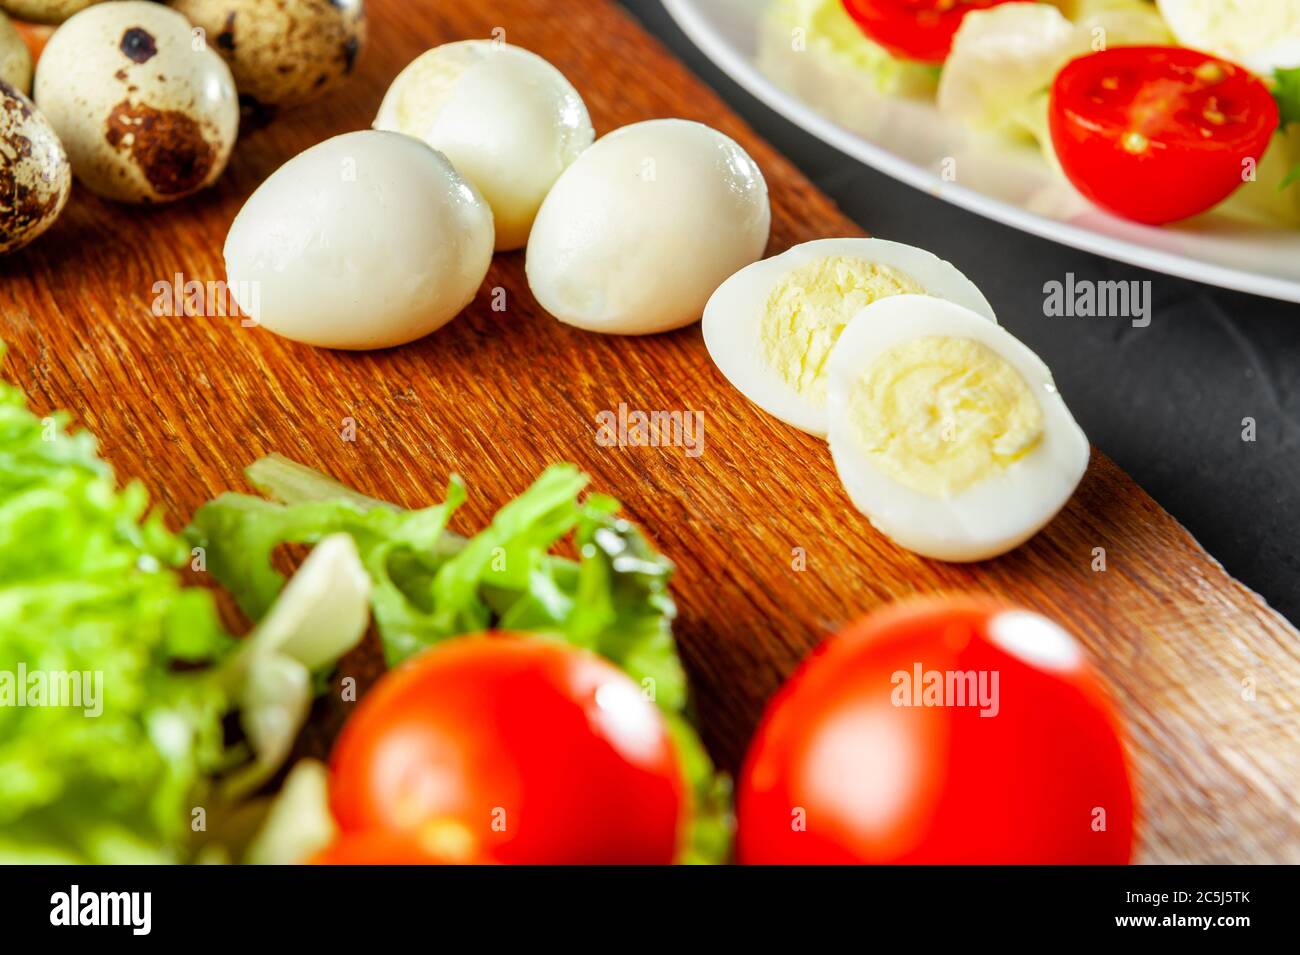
(1207, 676)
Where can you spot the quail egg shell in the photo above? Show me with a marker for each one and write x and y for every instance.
(34, 176)
(640, 230)
(947, 432)
(366, 240)
(143, 114)
(505, 117)
(770, 328)
(282, 52)
(44, 11)
(15, 58)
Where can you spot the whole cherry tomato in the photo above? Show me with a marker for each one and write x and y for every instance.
(514, 750)
(386, 847)
(939, 731)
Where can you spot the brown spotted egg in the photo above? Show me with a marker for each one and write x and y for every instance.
(44, 11)
(15, 58)
(146, 111)
(282, 52)
(34, 175)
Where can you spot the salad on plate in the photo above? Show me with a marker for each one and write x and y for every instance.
(1154, 110)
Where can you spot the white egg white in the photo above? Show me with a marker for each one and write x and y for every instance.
(734, 314)
(367, 240)
(637, 233)
(991, 517)
(506, 118)
(1261, 35)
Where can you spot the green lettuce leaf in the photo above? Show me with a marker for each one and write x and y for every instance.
(1286, 91)
(87, 595)
(814, 48)
(431, 585)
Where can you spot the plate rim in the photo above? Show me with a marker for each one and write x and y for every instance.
(698, 29)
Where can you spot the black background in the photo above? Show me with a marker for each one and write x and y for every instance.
(1165, 401)
(333, 909)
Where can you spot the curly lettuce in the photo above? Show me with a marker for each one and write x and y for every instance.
(88, 600)
(814, 48)
(429, 585)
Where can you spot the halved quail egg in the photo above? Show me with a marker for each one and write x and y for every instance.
(947, 432)
(770, 327)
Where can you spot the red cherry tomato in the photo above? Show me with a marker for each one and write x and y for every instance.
(914, 29)
(1012, 756)
(512, 749)
(384, 847)
(1158, 134)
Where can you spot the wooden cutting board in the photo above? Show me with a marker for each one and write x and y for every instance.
(1207, 676)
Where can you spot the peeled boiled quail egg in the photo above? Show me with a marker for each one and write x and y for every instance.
(947, 432)
(366, 240)
(282, 53)
(34, 175)
(144, 116)
(44, 11)
(15, 58)
(638, 232)
(770, 327)
(508, 120)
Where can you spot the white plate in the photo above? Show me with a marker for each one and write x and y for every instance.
(909, 140)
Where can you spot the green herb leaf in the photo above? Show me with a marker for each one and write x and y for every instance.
(87, 597)
(1286, 91)
(431, 585)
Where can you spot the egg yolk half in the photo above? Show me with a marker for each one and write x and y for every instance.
(940, 414)
(808, 308)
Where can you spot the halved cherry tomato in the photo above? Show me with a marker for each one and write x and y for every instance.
(939, 731)
(513, 750)
(1158, 134)
(914, 29)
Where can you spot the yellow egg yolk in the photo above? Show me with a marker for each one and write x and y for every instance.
(940, 414)
(808, 308)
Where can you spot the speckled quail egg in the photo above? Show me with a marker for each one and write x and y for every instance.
(367, 240)
(34, 176)
(143, 114)
(506, 118)
(15, 58)
(770, 328)
(640, 230)
(44, 11)
(282, 52)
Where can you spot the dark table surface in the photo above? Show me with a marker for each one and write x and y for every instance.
(1167, 401)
